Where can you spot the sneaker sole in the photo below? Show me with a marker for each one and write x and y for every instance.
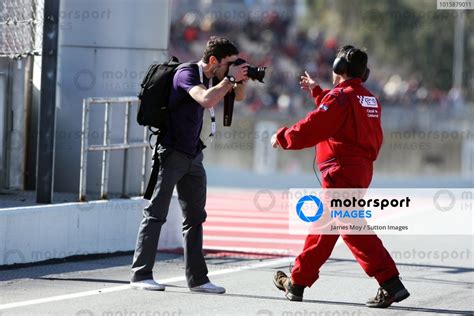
(147, 289)
(293, 298)
(206, 292)
(281, 288)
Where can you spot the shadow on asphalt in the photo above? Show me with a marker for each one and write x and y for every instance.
(338, 303)
(73, 264)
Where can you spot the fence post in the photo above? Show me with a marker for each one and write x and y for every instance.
(104, 183)
(84, 150)
(125, 155)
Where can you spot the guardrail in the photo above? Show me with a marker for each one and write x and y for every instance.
(106, 146)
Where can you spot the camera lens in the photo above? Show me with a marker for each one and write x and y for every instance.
(256, 73)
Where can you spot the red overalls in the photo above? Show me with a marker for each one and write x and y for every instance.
(347, 132)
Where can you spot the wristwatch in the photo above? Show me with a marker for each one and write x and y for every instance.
(231, 79)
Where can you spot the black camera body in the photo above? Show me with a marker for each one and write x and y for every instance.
(254, 73)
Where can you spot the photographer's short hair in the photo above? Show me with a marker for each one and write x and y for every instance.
(220, 48)
(357, 60)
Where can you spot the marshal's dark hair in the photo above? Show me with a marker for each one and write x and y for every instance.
(356, 58)
(220, 48)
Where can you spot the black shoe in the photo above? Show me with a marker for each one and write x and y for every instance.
(390, 292)
(292, 291)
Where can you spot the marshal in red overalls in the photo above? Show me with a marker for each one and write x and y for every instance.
(347, 133)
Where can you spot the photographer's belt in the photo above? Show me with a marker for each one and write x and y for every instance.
(212, 114)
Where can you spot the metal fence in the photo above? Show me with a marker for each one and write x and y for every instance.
(21, 27)
(106, 146)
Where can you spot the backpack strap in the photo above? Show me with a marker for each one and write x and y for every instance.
(212, 114)
(154, 174)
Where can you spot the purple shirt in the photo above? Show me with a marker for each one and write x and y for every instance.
(186, 114)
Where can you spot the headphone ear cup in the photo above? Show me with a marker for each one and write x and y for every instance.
(339, 66)
(366, 74)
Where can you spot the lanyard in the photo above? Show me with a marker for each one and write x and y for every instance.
(211, 110)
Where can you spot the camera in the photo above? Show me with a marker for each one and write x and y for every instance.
(254, 73)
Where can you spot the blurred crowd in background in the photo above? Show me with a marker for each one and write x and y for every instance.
(268, 35)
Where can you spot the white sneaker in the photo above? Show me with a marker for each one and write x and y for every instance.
(208, 288)
(150, 285)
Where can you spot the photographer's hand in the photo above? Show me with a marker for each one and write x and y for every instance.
(239, 72)
(307, 83)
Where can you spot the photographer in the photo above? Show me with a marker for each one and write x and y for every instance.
(195, 87)
(347, 133)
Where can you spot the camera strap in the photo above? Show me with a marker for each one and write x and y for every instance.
(212, 114)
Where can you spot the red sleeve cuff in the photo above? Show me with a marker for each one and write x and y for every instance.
(281, 137)
(316, 91)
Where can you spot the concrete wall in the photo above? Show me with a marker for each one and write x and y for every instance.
(38, 233)
(105, 48)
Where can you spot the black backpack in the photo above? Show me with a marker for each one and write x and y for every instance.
(154, 96)
(153, 110)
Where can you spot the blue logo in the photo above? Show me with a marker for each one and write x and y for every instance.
(310, 199)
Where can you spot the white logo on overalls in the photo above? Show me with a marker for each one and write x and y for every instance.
(367, 102)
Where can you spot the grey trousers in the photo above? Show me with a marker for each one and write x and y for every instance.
(189, 176)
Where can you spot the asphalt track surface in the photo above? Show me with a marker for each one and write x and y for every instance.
(438, 271)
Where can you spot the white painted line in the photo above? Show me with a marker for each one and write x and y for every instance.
(64, 297)
(252, 250)
(112, 289)
(250, 239)
(263, 264)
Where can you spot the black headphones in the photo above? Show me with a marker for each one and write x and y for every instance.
(341, 63)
